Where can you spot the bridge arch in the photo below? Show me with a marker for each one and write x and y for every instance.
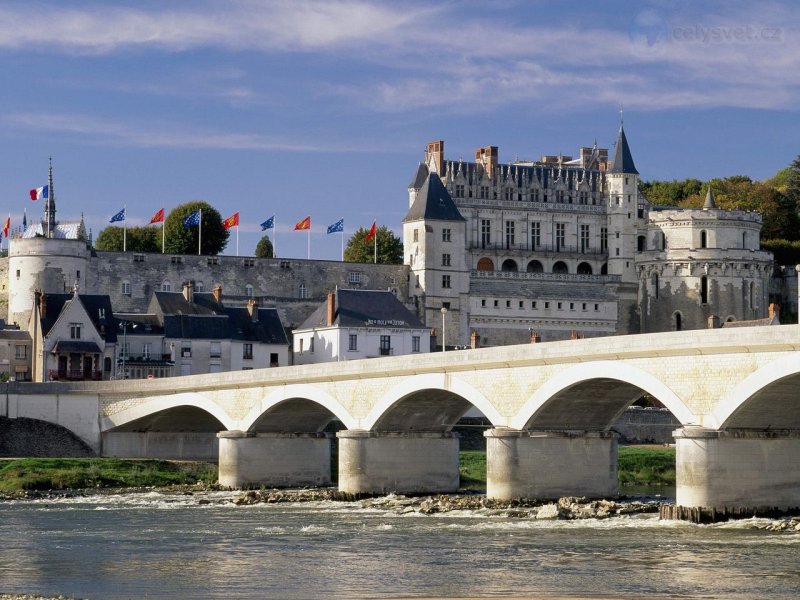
(766, 399)
(452, 396)
(162, 404)
(592, 395)
(300, 407)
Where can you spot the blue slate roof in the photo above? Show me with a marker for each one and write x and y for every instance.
(623, 160)
(365, 308)
(433, 202)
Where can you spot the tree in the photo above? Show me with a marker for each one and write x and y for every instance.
(139, 239)
(183, 240)
(264, 248)
(792, 190)
(390, 247)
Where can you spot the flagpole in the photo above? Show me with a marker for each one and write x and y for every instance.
(237, 240)
(274, 237)
(375, 247)
(342, 243)
(124, 227)
(199, 230)
(308, 254)
(163, 234)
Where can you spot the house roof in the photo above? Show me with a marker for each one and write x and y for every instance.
(174, 303)
(76, 346)
(98, 308)
(623, 159)
(233, 324)
(433, 202)
(365, 308)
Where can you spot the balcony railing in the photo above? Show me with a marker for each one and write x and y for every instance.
(592, 251)
(74, 375)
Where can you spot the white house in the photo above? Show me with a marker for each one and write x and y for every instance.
(354, 324)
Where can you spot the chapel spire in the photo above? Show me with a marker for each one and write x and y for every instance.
(623, 159)
(50, 205)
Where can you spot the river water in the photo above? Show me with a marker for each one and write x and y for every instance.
(153, 545)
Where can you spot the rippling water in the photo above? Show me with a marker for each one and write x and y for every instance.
(159, 546)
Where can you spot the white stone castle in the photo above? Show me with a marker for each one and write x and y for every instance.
(547, 249)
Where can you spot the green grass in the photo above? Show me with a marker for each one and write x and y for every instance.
(472, 467)
(77, 473)
(651, 465)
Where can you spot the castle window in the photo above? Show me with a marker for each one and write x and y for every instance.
(597, 307)
(744, 239)
(416, 235)
(248, 290)
(533, 304)
(509, 194)
(584, 197)
(446, 234)
(75, 331)
(166, 286)
(285, 264)
(560, 196)
(655, 286)
(547, 305)
(459, 190)
(509, 234)
(352, 342)
(704, 290)
(483, 302)
(415, 343)
(678, 321)
(212, 260)
(354, 277)
(536, 235)
(247, 350)
(583, 306)
(249, 262)
(416, 280)
(138, 258)
(303, 292)
(560, 235)
(486, 235)
(560, 304)
(176, 260)
(604, 239)
(508, 303)
(522, 304)
(703, 239)
(534, 195)
(199, 286)
(446, 281)
(126, 288)
(445, 260)
(484, 191)
(640, 243)
(17, 273)
(584, 238)
(572, 306)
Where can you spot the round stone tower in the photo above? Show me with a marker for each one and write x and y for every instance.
(698, 267)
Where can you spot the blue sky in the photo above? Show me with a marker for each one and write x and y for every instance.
(323, 108)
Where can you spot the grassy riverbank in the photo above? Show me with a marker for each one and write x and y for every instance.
(77, 473)
(637, 465)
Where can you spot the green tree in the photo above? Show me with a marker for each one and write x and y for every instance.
(139, 239)
(390, 247)
(792, 190)
(264, 248)
(183, 240)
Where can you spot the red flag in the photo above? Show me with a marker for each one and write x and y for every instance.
(303, 224)
(371, 233)
(7, 227)
(158, 217)
(232, 221)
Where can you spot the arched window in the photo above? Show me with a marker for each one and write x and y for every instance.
(560, 267)
(704, 290)
(703, 239)
(166, 286)
(199, 286)
(584, 269)
(655, 286)
(248, 290)
(126, 288)
(752, 299)
(509, 265)
(535, 267)
(604, 269)
(303, 292)
(678, 321)
(485, 264)
(663, 241)
(640, 243)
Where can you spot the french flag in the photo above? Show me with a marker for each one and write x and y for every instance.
(39, 193)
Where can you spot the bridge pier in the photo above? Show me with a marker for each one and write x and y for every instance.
(248, 459)
(404, 462)
(737, 468)
(550, 464)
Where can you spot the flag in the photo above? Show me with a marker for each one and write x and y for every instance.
(158, 217)
(41, 192)
(303, 224)
(232, 221)
(338, 226)
(192, 220)
(371, 233)
(120, 216)
(268, 224)
(7, 226)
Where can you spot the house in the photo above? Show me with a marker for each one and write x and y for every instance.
(354, 324)
(15, 355)
(74, 337)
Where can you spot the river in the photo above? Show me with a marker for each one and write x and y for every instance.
(154, 545)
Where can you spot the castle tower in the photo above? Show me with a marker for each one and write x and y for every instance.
(434, 243)
(622, 204)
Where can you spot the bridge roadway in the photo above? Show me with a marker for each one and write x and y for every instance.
(551, 406)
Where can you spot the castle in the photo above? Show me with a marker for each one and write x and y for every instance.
(544, 249)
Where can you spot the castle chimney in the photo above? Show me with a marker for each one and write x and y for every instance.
(331, 314)
(188, 290)
(252, 309)
(535, 337)
(487, 156)
(217, 291)
(473, 339)
(436, 151)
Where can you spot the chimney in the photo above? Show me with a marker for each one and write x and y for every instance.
(436, 150)
(474, 340)
(217, 291)
(713, 322)
(331, 314)
(252, 309)
(42, 305)
(188, 291)
(535, 337)
(487, 156)
(774, 311)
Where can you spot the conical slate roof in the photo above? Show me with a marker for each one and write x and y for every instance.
(419, 177)
(710, 203)
(623, 160)
(433, 202)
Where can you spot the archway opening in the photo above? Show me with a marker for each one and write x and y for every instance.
(560, 267)
(535, 267)
(584, 268)
(485, 264)
(776, 406)
(509, 265)
(296, 415)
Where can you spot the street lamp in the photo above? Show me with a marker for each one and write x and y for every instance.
(444, 312)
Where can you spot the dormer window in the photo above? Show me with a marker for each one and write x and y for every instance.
(75, 331)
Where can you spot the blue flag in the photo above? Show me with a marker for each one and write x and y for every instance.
(192, 220)
(268, 224)
(338, 226)
(120, 216)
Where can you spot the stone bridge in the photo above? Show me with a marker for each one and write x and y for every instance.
(735, 391)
